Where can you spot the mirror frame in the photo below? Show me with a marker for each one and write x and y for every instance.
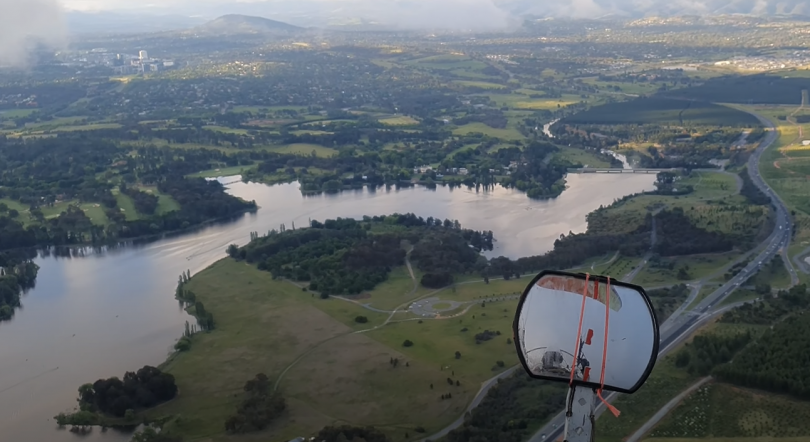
(601, 279)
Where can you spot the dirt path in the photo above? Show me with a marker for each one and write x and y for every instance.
(318, 345)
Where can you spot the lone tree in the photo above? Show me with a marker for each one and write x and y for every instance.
(407, 343)
(361, 319)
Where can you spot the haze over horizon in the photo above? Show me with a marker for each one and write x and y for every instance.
(489, 10)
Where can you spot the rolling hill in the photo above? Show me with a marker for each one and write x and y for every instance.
(234, 24)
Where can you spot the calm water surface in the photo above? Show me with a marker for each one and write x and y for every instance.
(105, 313)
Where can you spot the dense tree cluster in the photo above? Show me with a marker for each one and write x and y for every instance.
(347, 256)
(666, 300)
(40, 172)
(260, 407)
(777, 361)
(17, 274)
(677, 235)
(510, 410)
(709, 350)
(145, 203)
(142, 389)
(770, 309)
(751, 192)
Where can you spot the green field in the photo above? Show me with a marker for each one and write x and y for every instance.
(580, 156)
(227, 130)
(399, 120)
(448, 62)
(436, 341)
(17, 113)
(699, 267)
(304, 149)
(519, 101)
(265, 109)
(166, 203)
(55, 123)
(722, 410)
(126, 205)
(479, 84)
(85, 127)
(624, 87)
(663, 111)
(504, 134)
(263, 325)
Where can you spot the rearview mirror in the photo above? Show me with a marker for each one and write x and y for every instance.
(561, 324)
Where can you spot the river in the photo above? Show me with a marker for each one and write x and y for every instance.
(105, 313)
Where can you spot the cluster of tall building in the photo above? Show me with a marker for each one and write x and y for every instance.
(139, 64)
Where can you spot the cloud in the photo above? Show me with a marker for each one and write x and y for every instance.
(26, 25)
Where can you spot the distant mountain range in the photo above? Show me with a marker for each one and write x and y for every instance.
(477, 15)
(661, 8)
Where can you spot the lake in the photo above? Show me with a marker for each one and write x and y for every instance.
(113, 311)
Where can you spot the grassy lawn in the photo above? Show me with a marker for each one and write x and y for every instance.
(504, 134)
(227, 130)
(722, 410)
(55, 123)
(95, 212)
(263, 325)
(479, 84)
(305, 149)
(393, 292)
(225, 171)
(699, 267)
(519, 101)
(399, 120)
(618, 268)
(166, 203)
(85, 127)
(17, 113)
(266, 109)
(437, 340)
(479, 290)
(126, 205)
(581, 156)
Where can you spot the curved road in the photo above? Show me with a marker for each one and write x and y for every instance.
(684, 324)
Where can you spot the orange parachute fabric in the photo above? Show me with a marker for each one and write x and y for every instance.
(591, 289)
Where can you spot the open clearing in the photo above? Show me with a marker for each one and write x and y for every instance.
(263, 325)
(504, 134)
(304, 149)
(519, 101)
(581, 156)
(399, 120)
(479, 84)
(225, 171)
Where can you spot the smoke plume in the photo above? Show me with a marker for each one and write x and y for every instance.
(27, 25)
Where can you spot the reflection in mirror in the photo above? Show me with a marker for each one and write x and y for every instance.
(549, 322)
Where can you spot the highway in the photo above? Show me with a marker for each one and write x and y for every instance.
(680, 326)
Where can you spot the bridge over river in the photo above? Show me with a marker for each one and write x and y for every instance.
(619, 170)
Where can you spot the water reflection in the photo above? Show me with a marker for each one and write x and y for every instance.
(98, 312)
